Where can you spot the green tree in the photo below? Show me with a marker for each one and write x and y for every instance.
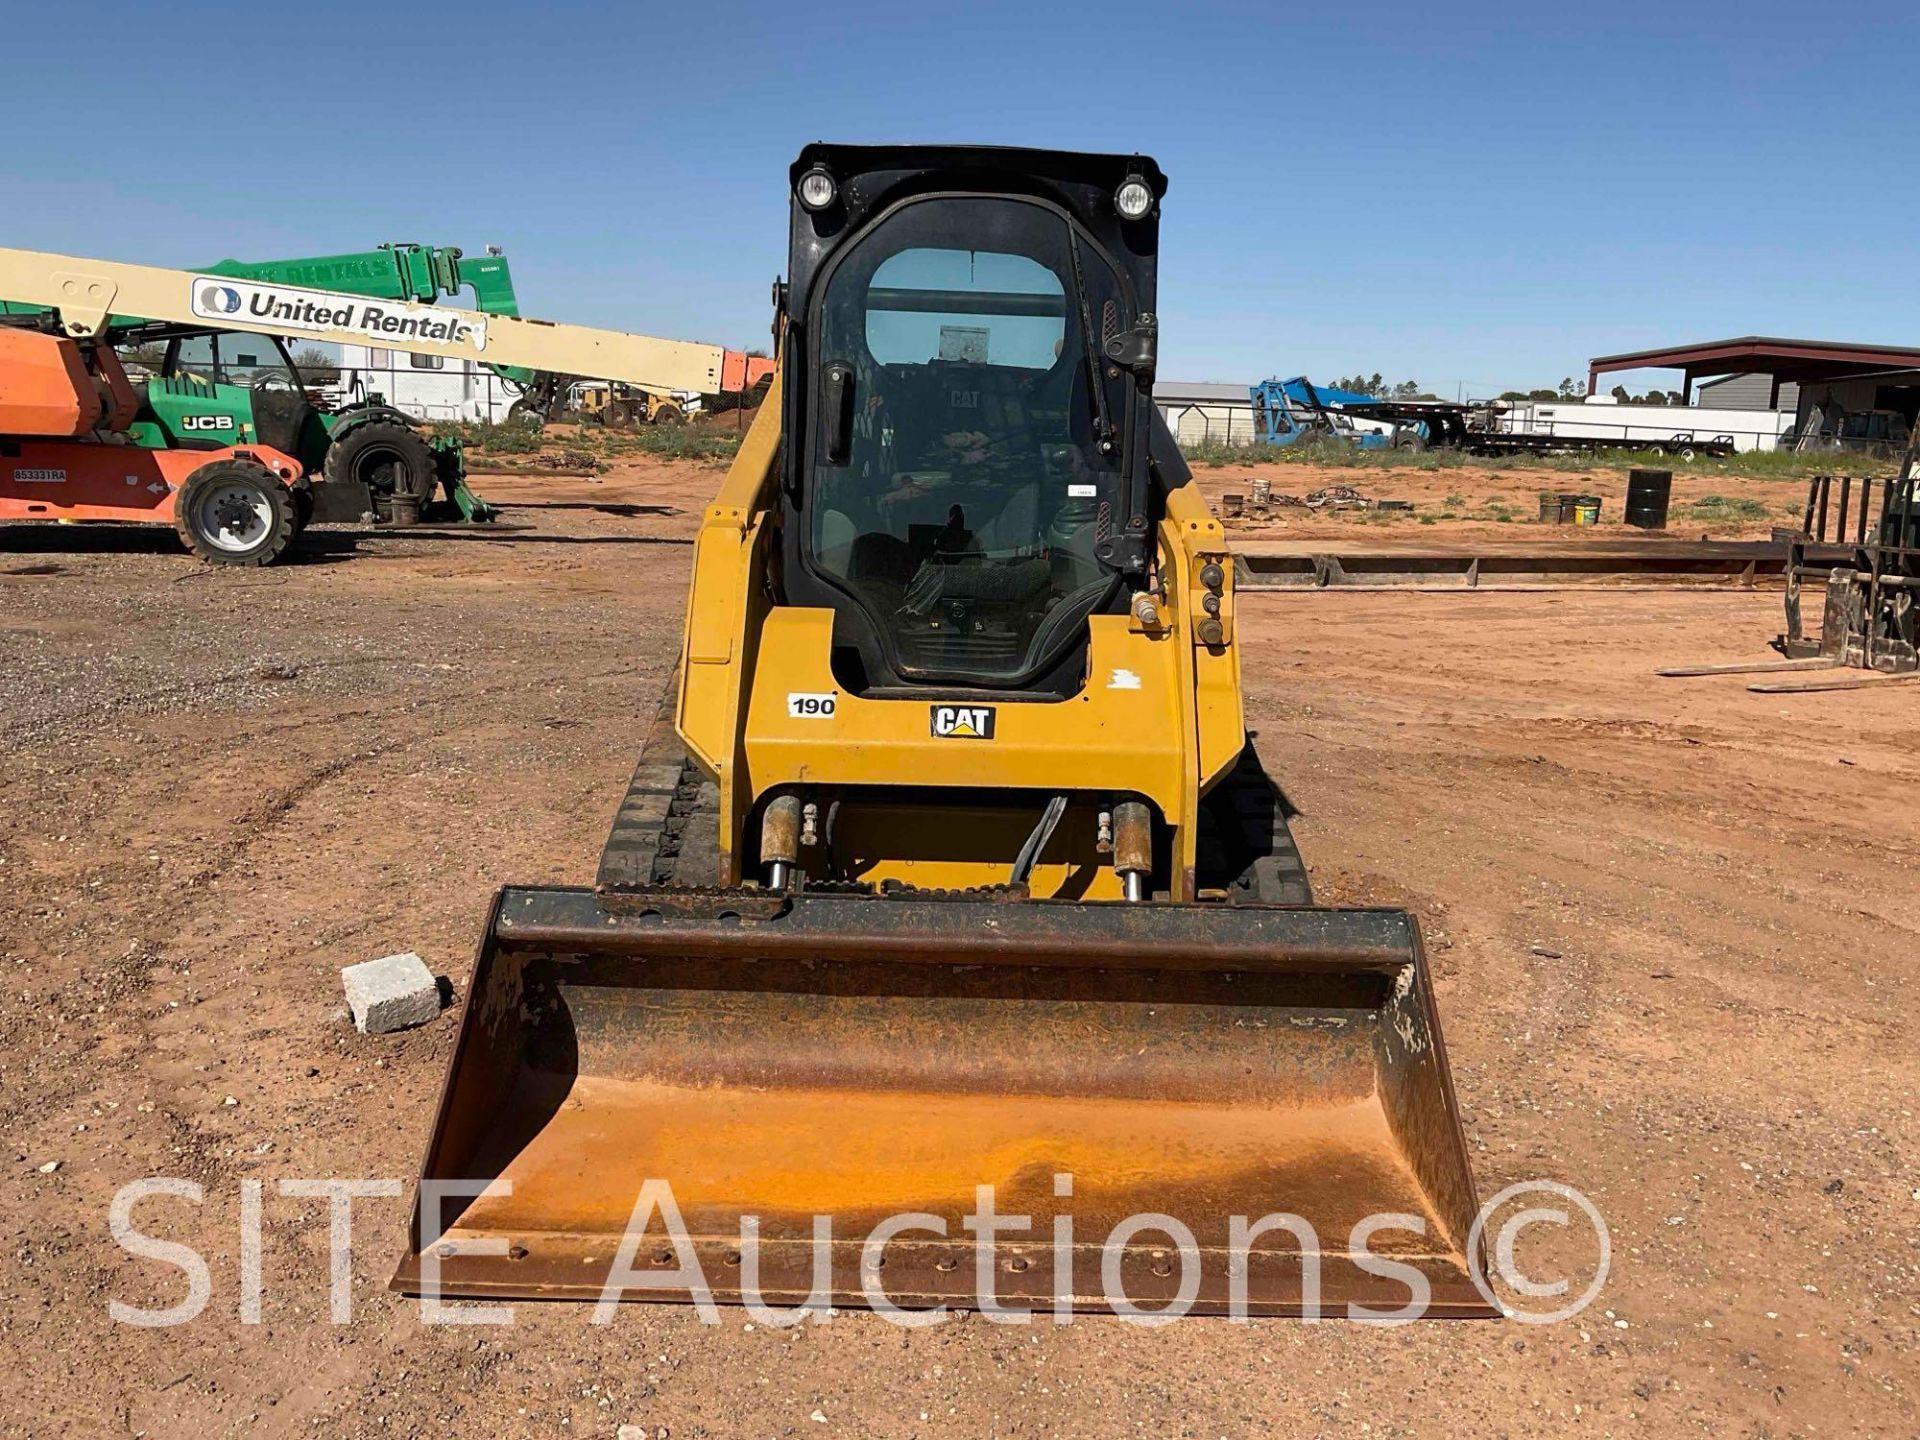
(153, 355)
(315, 364)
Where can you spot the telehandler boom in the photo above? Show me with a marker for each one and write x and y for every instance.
(84, 293)
(424, 273)
(948, 863)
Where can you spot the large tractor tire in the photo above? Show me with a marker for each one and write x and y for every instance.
(527, 411)
(668, 413)
(388, 458)
(236, 512)
(303, 505)
(623, 414)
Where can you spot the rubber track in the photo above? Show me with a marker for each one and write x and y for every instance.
(666, 830)
(1246, 846)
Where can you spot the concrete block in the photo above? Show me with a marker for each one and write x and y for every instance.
(391, 993)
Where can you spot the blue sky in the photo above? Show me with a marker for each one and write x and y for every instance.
(1454, 193)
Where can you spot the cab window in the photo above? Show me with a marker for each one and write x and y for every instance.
(230, 359)
(964, 514)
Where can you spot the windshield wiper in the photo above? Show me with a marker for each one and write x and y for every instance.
(1102, 427)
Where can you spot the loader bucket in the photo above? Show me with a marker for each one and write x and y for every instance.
(866, 1056)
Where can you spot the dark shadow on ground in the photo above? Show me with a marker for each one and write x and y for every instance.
(607, 507)
(320, 545)
(331, 541)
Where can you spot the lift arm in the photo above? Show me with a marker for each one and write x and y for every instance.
(86, 293)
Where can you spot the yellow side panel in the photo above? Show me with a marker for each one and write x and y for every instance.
(1194, 537)
(725, 604)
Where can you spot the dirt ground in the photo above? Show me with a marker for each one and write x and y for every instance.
(1671, 923)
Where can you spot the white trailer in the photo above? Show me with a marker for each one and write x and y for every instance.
(1602, 417)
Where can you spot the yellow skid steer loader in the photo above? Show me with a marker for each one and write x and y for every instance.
(948, 863)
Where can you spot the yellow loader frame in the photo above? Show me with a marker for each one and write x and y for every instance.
(1160, 713)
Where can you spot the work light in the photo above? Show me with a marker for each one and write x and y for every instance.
(817, 189)
(1133, 199)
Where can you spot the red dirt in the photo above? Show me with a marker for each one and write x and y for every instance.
(1670, 924)
(1463, 502)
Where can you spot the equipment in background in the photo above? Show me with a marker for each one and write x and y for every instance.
(1861, 537)
(427, 273)
(1833, 429)
(66, 407)
(1872, 603)
(420, 274)
(621, 407)
(226, 376)
(204, 383)
(1296, 411)
(948, 861)
(245, 386)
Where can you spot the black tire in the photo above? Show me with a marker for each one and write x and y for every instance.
(388, 458)
(236, 512)
(527, 411)
(669, 414)
(302, 508)
(1245, 844)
